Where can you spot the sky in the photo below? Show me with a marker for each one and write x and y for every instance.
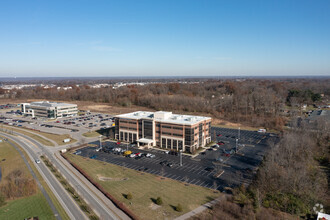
(164, 38)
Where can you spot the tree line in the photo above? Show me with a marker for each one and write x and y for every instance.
(259, 102)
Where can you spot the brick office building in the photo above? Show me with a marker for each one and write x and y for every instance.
(164, 130)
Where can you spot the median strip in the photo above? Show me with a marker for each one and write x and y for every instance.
(80, 202)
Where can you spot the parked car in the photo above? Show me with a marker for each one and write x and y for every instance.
(128, 152)
(163, 162)
(209, 169)
(37, 161)
(170, 164)
(262, 130)
(221, 143)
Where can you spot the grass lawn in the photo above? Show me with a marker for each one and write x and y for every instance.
(58, 138)
(145, 188)
(11, 160)
(55, 137)
(236, 127)
(91, 134)
(31, 206)
(35, 205)
(31, 135)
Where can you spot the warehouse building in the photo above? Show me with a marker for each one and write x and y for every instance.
(164, 130)
(46, 109)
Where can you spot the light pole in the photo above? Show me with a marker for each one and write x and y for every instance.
(239, 133)
(181, 158)
(126, 146)
(100, 141)
(236, 144)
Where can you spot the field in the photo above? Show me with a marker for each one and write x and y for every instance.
(145, 188)
(21, 208)
(115, 110)
(35, 205)
(57, 137)
(91, 134)
(33, 134)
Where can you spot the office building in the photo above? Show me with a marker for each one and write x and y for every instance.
(164, 130)
(46, 109)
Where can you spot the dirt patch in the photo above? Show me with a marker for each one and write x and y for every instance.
(103, 178)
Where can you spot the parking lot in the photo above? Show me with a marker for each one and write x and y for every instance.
(214, 168)
(81, 124)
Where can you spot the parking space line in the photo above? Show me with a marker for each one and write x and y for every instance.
(178, 177)
(173, 177)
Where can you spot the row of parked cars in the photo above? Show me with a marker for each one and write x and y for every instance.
(126, 153)
(84, 121)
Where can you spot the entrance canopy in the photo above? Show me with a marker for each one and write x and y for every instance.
(145, 141)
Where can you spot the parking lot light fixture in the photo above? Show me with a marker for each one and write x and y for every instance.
(181, 158)
(239, 133)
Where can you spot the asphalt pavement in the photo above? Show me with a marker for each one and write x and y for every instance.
(215, 168)
(96, 204)
(66, 201)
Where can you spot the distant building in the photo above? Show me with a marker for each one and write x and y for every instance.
(164, 130)
(48, 109)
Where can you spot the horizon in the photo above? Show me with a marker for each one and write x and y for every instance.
(165, 39)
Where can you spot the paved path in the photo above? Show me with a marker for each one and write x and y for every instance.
(201, 208)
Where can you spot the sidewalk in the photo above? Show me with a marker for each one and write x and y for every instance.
(201, 208)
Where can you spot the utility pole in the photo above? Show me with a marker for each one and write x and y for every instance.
(100, 141)
(236, 144)
(181, 158)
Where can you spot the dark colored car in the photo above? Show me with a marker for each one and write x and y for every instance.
(209, 169)
(170, 164)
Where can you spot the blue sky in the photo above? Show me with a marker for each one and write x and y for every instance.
(164, 38)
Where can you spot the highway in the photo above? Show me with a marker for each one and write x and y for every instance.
(73, 211)
(104, 209)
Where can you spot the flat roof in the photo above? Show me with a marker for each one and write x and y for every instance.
(145, 141)
(172, 119)
(51, 104)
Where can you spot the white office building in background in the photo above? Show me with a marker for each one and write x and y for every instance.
(46, 109)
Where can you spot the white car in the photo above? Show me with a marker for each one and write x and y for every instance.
(37, 161)
(152, 156)
(132, 155)
(262, 130)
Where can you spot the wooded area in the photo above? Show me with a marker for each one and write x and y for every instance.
(259, 102)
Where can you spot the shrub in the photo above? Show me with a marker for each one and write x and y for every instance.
(2, 200)
(159, 201)
(85, 208)
(129, 196)
(93, 217)
(178, 208)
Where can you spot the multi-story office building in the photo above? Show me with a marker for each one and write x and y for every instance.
(48, 109)
(164, 130)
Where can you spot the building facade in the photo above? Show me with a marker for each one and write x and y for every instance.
(46, 109)
(164, 130)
